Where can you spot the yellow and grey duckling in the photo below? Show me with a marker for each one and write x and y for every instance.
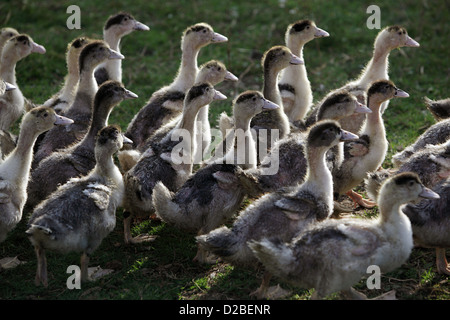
(334, 254)
(15, 168)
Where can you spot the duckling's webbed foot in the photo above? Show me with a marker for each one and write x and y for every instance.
(359, 200)
(443, 267)
(127, 232)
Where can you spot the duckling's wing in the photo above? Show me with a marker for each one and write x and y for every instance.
(298, 209)
(5, 191)
(362, 241)
(99, 194)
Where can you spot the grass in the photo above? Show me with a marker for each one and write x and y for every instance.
(163, 269)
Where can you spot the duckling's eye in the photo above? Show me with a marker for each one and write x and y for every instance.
(400, 33)
(45, 115)
(307, 28)
(220, 69)
(411, 183)
(204, 30)
(254, 99)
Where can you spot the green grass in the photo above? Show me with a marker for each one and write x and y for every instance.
(164, 269)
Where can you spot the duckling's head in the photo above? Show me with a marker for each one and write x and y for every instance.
(339, 105)
(250, 103)
(20, 46)
(5, 86)
(383, 90)
(303, 31)
(440, 109)
(200, 35)
(111, 93)
(326, 134)
(200, 95)
(214, 72)
(403, 188)
(74, 49)
(279, 57)
(43, 119)
(395, 37)
(110, 140)
(6, 34)
(96, 52)
(122, 24)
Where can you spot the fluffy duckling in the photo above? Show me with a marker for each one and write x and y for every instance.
(6, 34)
(167, 102)
(368, 152)
(432, 165)
(388, 39)
(81, 213)
(286, 164)
(431, 224)
(12, 103)
(282, 213)
(213, 194)
(168, 161)
(61, 100)
(273, 61)
(437, 134)
(116, 27)
(334, 254)
(440, 109)
(295, 88)
(15, 168)
(79, 159)
(80, 111)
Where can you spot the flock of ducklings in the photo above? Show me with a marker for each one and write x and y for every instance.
(62, 166)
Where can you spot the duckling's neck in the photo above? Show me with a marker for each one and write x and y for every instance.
(105, 166)
(19, 160)
(114, 66)
(188, 69)
(270, 86)
(244, 145)
(87, 84)
(377, 68)
(187, 121)
(99, 120)
(71, 81)
(318, 175)
(8, 69)
(374, 126)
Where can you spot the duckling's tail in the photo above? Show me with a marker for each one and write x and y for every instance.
(275, 255)
(165, 208)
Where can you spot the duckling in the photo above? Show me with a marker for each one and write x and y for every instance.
(213, 194)
(6, 34)
(116, 27)
(374, 145)
(282, 213)
(440, 109)
(387, 39)
(7, 139)
(273, 61)
(15, 168)
(167, 102)
(61, 100)
(295, 88)
(12, 103)
(334, 254)
(286, 163)
(78, 159)
(169, 161)
(81, 213)
(431, 224)
(80, 111)
(436, 134)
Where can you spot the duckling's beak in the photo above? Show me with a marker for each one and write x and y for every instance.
(401, 94)
(296, 60)
(362, 108)
(410, 42)
(429, 194)
(60, 120)
(139, 26)
(115, 55)
(217, 37)
(9, 86)
(230, 76)
(269, 105)
(346, 135)
(219, 96)
(320, 33)
(126, 140)
(130, 95)
(37, 48)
